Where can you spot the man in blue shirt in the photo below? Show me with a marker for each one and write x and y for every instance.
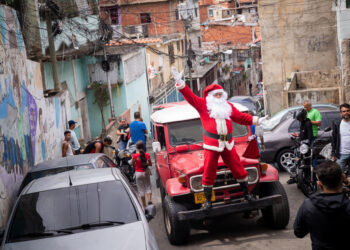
(138, 129)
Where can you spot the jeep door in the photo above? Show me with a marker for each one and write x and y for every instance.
(162, 159)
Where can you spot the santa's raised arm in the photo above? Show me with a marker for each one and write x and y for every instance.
(216, 115)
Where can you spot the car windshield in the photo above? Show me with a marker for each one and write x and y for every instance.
(38, 215)
(271, 123)
(192, 132)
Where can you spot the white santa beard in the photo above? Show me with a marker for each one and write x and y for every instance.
(218, 107)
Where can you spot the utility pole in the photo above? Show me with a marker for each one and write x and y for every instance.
(109, 86)
(53, 59)
(188, 58)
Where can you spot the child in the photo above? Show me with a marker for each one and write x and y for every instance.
(141, 161)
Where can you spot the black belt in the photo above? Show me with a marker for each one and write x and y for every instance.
(218, 137)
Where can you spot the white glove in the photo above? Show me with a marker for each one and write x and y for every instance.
(179, 83)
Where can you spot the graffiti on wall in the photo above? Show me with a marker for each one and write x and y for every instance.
(30, 124)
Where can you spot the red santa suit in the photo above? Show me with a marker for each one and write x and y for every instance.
(217, 139)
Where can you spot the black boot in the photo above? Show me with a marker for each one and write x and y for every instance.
(207, 193)
(247, 196)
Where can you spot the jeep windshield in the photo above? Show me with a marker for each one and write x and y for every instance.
(191, 132)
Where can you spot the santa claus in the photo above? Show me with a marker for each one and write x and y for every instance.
(216, 115)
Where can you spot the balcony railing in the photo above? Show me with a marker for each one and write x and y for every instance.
(131, 31)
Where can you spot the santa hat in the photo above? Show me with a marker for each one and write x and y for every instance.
(212, 89)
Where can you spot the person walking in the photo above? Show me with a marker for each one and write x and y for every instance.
(66, 147)
(74, 140)
(123, 132)
(341, 138)
(138, 129)
(98, 146)
(141, 162)
(325, 215)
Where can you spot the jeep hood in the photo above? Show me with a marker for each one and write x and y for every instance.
(190, 163)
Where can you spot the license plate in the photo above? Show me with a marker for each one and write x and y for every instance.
(199, 198)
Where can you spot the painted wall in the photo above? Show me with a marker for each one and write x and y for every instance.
(295, 38)
(31, 126)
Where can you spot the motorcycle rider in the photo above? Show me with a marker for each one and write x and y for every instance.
(304, 134)
(98, 146)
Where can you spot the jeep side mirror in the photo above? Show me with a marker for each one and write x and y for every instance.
(150, 212)
(156, 146)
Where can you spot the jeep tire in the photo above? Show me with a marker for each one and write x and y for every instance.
(277, 215)
(176, 230)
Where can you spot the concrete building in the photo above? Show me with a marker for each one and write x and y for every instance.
(31, 125)
(342, 8)
(298, 42)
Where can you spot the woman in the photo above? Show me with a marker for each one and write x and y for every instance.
(141, 162)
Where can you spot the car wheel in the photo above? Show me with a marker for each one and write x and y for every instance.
(176, 230)
(286, 159)
(277, 215)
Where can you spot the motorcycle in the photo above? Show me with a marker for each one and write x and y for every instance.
(123, 160)
(305, 175)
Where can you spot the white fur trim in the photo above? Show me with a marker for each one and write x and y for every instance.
(221, 127)
(229, 146)
(255, 120)
(250, 138)
(180, 85)
(213, 148)
(213, 92)
(243, 180)
(221, 147)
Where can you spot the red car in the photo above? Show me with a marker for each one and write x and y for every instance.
(179, 161)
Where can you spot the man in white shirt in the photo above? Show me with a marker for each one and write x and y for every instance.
(341, 138)
(74, 140)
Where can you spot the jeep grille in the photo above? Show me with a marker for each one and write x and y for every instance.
(224, 179)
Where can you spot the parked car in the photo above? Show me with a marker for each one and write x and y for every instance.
(253, 104)
(59, 165)
(277, 135)
(91, 209)
(179, 159)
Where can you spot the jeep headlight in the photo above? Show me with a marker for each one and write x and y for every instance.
(304, 148)
(196, 183)
(252, 175)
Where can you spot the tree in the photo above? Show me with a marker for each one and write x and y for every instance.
(101, 98)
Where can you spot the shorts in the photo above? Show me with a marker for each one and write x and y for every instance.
(143, 183)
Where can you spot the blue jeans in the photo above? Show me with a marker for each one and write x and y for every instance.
(343, 162)
(122, 145)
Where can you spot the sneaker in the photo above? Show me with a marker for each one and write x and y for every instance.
(291, 181)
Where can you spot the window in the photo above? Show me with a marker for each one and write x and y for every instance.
(178, 46)
(177, 14)
(199, 42)
(294, 127)
(145, 18)
(328, 118)
(171, 53)
(228, 12)
(113, 13)
(210, 12)
(70, 208)
(347, 4)
(160, 136)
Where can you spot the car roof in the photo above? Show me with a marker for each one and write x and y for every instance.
(72, 160)
(241, 98)
(72, 178)
(182, 112)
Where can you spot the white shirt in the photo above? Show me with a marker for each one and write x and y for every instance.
(344, 137)
(74, 140)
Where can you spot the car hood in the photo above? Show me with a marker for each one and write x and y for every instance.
(129, 236)
(190, 163)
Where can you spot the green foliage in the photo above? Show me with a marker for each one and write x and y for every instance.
(101, 98)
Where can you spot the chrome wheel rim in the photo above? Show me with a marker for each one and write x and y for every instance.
(167, 222)
(287, 160)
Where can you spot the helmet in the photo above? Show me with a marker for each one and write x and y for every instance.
(301, 115)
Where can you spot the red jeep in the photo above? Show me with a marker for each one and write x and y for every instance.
(179, 160)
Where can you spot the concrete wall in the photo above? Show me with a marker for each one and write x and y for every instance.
(31, 126)
(295, 37)
(324, 95)
(316, 79)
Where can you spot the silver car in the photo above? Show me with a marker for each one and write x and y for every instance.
(87, 209)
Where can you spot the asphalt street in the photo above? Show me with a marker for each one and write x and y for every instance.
(235, 232)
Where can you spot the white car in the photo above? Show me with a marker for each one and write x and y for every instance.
(89, 209)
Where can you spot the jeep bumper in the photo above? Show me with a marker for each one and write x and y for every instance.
(234, 207)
